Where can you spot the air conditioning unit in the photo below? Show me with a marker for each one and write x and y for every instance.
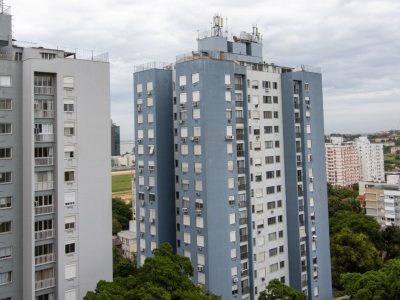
(142, 249)
(141, 219)
(139, 141)
(198, 230)
(200, 268)
(192, 138)
(183, 140)
(182, 87)
(256, 105)
(196, 139)
(147, 187)
(314, 237)
(228, 137)
(228, 86)
(267, 90)
(262, 279)
(196, 104)
(235, 279)
(153, 221)
(140, 170)
(198, 212)
(229, 120)
(180, 121)
(185, 210)
(200, 248)
(142, 235)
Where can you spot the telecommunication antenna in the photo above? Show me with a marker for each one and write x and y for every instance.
(218, 23)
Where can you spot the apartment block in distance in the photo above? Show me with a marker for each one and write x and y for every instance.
(371, 160)
(54, 171)
(342, 162)
(230, 167)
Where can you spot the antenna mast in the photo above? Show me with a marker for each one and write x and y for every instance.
(217, 24)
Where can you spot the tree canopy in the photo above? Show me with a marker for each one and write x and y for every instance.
(121, 214)
(164, 276)
(278, 290)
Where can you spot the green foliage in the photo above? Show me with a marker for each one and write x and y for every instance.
(350, 204)
(382, 284)
(358, 223)
(352, 252)
(122, 266)
(163, 276)
(391, 241)
(121, 213)
(342, 192)
(122, 183)
(278, 290)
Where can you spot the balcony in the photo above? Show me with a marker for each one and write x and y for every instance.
(243, 255)
(44, 185)
(239, 120)
(245, 290)
(242, 187)
(45, 283)
(241, 170)
(240, 136)
(42, 210)
(240, 153)
(239, 103)
(44, 137)
(44, 90)
(242, 204)
(44, 234)
(243, 238)
(40, 113)
(243, 221)
(238, 86)
(44, 259)
(44, 161)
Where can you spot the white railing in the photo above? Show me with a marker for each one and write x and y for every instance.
(44, 259)
(45, 283)
(44, 90)
(44, 137)
(40, 113)
(44, 161)
(44, 185)
(44, 234)
(41, 210)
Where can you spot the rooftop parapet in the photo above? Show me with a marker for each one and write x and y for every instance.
(153, 65)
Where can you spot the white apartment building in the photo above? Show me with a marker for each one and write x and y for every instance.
(54, 171)
(371, 160)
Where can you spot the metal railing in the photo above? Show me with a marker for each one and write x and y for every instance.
(44, 90)
(153, 65)
(242, 187)
(44, 234)
(241, 170)
(44, 137)
(40, 113)
(44, 185)
(239, 103)
(41, 210)
(240, 152)
(44, 161)
(44, 259)
(45, 283)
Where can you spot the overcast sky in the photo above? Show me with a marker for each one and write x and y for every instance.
(356, 43)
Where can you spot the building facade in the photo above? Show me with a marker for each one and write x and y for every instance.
(115, 140)
(371, 160)
(242, 141)
(51, 248)
(342, 163)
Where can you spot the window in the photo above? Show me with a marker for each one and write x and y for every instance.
(272, 237)
(5, 128)
(271, 205)
(184, 132)
(69, 82)
(70, 271)
(150, 118)
(5, 202)
(184, 149)
(267, 99)
(5, 227)
(198, 185)
(272, 221)
(267, 129)
(69, 152)
(182, 80)
(70, 295)
(269, 174)
(185, 167)
(70, 248)
(5, 177)
(306, 87)
(69, 199)
(273, 252)
(275, 99)
(267, 114)
(196, 113)
(228, 96)
(150, 133)
(275, 85)
(196, 96)
(5, 81)
(68, 106)
(227, 78)
(232, 218)
(5, 252)
(197, 149)
(5, 277)
(197, 168)
(5, 153)
(196, 131)
(195, 78)
(269, 144)
(231, 183)
(276, 115)
(273, 268)
(46, 55)
(70, 223)
(69, 129)
(69, 176)
(269, 160)
(5, 104)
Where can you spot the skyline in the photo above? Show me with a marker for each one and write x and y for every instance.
(332, 35)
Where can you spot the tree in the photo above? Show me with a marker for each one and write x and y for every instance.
(381, 284)
(391, 241)
(277, 290)
(122, 214)
(352, 252)
(163, 276)
(358, 223)
(122, 266)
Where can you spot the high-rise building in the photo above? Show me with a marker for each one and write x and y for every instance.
(342, 163)
(115, 140)
(371, 160)
(54, 171)
(230, 167)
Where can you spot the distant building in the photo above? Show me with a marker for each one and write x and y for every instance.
(342, 163)
(115, 140)
(382, 202)
(371, 160)
(128, 240)
(395, 150)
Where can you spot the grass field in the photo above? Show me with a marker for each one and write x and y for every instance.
(122, 183)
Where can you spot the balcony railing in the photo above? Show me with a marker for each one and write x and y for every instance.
(239, 103)
(243, 238)
(242, 204)
(239, 120)
(242, 187)
(243, 255)
(44, 161)
(44, 234)
(246, 289)
(44, 90)
(41, 210)
(40, 113)
(240, 152)
(238, 86)
(45, 283)
(241, 170)
(44, 185)
(44, 137)
(44, 259)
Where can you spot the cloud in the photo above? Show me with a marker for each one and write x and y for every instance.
(356, 43)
